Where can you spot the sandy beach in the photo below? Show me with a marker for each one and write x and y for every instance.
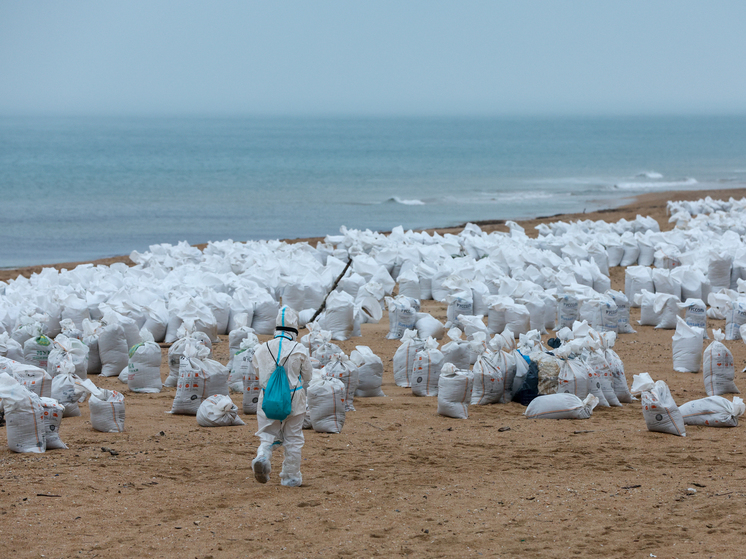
(399, 480)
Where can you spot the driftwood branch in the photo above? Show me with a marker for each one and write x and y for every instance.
(334, 286)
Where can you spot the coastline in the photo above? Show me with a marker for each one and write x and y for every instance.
(651, 203)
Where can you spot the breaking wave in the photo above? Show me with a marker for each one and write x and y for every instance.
(413, 202)
(661, 184)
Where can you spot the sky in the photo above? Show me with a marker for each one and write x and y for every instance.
(352, 57)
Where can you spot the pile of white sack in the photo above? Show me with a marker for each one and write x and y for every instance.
(337, 380)
(480, 370)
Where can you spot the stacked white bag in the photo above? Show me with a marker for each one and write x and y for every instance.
(65, 389)
(370, 372)
(237, 335)
(735, 317)
(326, 349)
(718, 368)
(687, 347)
(457, 351)
(454, 391)
(238, 365)
(199, 378)
(106, 406)
(176, 351)
(489, 374)
(426, 367)
(36, 350)
(144, 365)
(112, 346)
(91, 332)
(326, 408)
(218, 410)
(404, 357)
(622, 305)
(428, 327)
(573, 375)
(658, 406)
(596, 361)
(73, 348)
(36, 380)
(341, 368)
(616, 366)
(24, 416)
(10, 348)
(402, 316)
(339, 315)
(53, 414)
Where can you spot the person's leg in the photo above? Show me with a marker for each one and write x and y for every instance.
(268, 433)
(292, 429)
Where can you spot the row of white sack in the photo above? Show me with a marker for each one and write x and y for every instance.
(685, 282)
(663, 415)
(716, 361)
(586, 358)
(537, 311)
(705, 206)
(659, 409)
(662, 310)
(33, 421)
(718, 215)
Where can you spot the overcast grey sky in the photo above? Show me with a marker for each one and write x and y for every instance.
(300, 57)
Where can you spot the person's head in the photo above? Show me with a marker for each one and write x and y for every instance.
(286, 324)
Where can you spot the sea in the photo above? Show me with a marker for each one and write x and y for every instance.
(82, 188)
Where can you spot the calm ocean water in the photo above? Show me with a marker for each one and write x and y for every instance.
(84, 188)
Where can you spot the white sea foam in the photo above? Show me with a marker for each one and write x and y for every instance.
(661, 184)
(413, 202)
(650, 175)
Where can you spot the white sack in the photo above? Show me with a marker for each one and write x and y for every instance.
(714, 411)
(404, 357)
(106, 406)
(341, 368)
(402, 316)
(326, 396)
(617, 369)
(112, 348)
(53, 413)
(24, 416)
(144, 366)
(735, 317)
(65, 390)
(36, 351)
(236, 378)
(426, 369)
(561, 406)
(658, 406)
(637, 278)
(10, 348)
(457, 351)
(370, 372)
(454, 392)
(489, 379)
(36, 380)
(218, 410)
(687, 347)
(429, 327)
(190, 387)
(717, 367)
(339, 315)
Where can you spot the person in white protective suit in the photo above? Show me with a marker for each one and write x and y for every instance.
(283, 350)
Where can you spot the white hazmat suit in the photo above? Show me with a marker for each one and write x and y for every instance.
(284, 350)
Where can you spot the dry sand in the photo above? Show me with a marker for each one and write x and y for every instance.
(399, 480)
